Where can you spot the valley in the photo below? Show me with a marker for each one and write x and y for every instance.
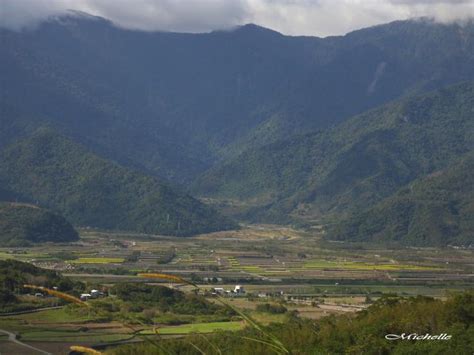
(257, 254)
(276, 265)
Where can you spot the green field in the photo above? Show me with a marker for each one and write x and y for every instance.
(73, 336)
(296, 271)
(197, 328)
(97, 260)
(322, 264)
(53, 316)
(23, 257)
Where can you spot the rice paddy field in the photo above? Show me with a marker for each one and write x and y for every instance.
(253, 255)
(97, 261)
(313, 277)
(195, 328)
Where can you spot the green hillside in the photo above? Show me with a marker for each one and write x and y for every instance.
(434, 210)
(14, 274)
(51, 170)
(22, 224)
(353, 165)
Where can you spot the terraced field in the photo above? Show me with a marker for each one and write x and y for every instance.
(253, 254)
(273, 264)
(98, 260)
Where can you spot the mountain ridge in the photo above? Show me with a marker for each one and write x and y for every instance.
(354, 164)
(179, 103)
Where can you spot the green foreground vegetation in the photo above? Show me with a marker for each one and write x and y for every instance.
(363, 333)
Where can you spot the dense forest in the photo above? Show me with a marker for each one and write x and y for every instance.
(354, 165)
(165, 299)
(436, 210)
(22, 225)
(177, 103)
(55, 172)
(14, 274)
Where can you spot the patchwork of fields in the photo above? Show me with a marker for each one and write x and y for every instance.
(274, 264)
(253, 255)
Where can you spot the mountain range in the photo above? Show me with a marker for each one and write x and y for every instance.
(115, 128)
(325, 176)
(174, 104)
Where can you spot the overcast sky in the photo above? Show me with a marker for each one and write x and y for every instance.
(294, 17)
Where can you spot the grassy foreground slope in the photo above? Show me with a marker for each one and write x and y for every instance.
(434, 210)
(355, 164)
(55, 172)
(344, 334)
(24, 224)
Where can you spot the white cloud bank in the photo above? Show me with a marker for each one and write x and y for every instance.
(294, 17)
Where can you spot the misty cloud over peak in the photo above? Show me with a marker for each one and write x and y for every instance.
(293, 17)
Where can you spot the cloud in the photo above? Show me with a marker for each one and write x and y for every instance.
(295, 17)
(171, 15)
(330, 17)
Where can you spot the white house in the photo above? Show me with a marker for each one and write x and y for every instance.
(219, 290)
(85, 296)
(239, 289)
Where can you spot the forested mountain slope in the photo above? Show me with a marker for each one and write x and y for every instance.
(433, 210)
(22, 224)
(355, 164)
(175, 104)
(55, 172)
